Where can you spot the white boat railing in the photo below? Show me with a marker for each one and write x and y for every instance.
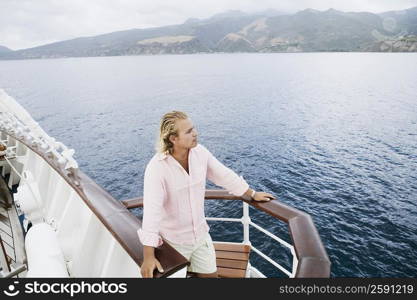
(38, 137)
(247, 222)
(309, 255)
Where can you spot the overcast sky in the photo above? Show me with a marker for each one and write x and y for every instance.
(30, 23)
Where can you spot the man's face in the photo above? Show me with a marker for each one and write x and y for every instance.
(187, 134)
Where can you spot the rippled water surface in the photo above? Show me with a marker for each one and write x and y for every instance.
(333, 134)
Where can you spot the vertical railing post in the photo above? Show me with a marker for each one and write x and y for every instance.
(246, 221)
(294, 263)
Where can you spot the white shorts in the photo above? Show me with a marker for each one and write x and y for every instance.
(201, 255)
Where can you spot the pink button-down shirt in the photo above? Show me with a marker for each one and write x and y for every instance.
(173, 200)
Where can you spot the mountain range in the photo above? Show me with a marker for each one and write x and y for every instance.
(308, 30)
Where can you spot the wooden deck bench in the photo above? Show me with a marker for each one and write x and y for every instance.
(232, 259)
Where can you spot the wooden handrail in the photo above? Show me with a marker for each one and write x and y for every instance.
(119, 221)
(312, 257)
(133, 203)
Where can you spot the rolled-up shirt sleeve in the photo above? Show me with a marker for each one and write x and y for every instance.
(153, 199)
(221, 175)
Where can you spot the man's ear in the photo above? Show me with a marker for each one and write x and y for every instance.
(172, 139)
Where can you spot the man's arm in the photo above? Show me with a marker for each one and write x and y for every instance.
(153, 198)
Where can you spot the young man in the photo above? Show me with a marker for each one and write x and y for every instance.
(174, 189)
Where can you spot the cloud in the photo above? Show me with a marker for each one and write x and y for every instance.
(28, 23)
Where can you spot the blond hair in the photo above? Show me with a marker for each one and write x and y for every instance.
(167, 128)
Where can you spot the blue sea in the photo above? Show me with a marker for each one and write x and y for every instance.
(332, 134)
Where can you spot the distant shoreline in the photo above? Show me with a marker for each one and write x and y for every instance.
(208, 53)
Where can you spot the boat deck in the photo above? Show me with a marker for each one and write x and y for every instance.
(12, 253)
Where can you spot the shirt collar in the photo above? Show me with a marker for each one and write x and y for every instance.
(162, 156)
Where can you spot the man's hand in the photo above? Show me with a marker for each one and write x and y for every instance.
(149, 262)
(262, 196)
(149, 266)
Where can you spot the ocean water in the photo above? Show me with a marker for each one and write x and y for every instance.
(332, 134)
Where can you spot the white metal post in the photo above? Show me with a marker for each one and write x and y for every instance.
(246, 221)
